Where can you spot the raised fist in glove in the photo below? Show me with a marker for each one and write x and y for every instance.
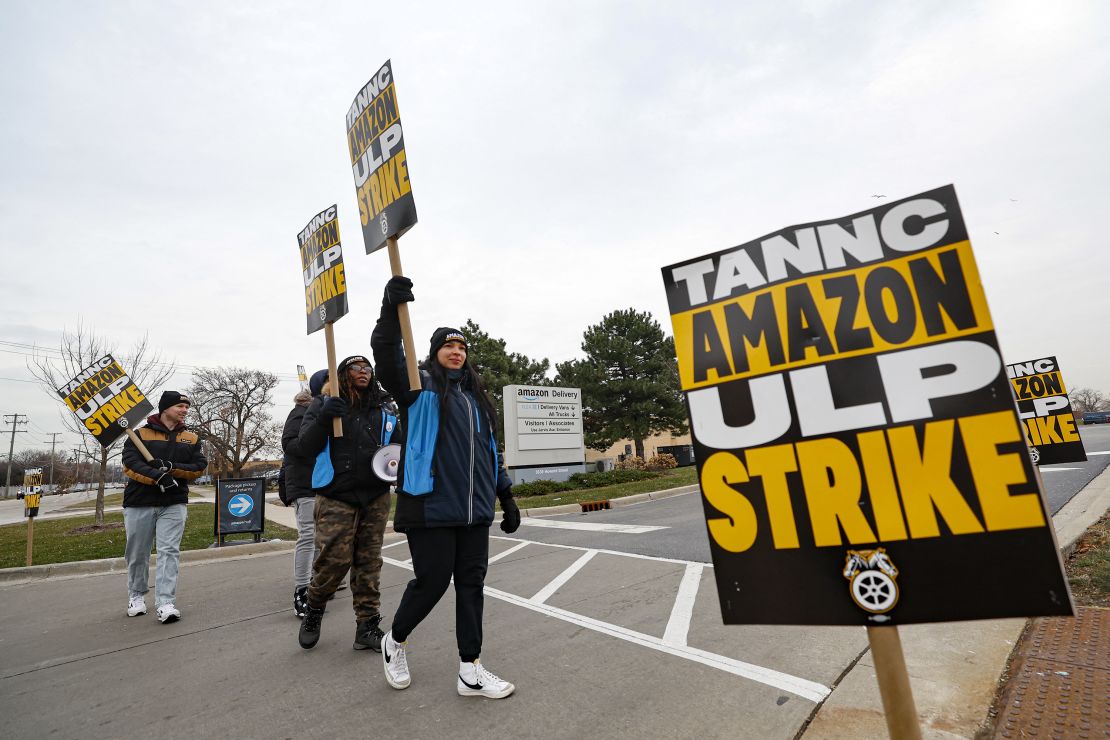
(166, 482)
(333, 406)
(510, 521)
(398, 290)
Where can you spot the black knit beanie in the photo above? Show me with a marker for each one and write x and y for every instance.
(172, 398)
(442, 336)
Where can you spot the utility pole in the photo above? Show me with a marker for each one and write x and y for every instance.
(77, 462)
(15, 422)
(53, 441)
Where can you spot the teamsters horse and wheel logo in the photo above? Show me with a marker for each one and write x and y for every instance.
(871, 576)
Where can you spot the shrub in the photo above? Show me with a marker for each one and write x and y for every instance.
(540, 488)
(663, 461)
(631, 463)
(609, 477)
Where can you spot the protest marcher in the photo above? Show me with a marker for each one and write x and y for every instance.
(448, 479)
(154, 503)
(297, 491)
(352, 504)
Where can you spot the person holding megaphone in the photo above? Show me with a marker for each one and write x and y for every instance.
(450, 475)
(352, 502)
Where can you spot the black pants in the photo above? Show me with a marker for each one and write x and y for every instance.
(438, 553)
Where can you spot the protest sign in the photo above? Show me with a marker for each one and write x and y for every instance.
(302, 377)
(1045, 411)
(376, 144)
(379, 164)
(858, 450)
(325, 285)
(106, 401)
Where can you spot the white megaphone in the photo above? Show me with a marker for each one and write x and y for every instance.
(386, 461)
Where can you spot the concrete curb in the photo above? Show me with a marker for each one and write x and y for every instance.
(616, 503)
(79, 568)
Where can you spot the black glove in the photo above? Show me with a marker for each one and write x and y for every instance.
(160, 464)
(510, 521)
(398, 290)
(333, 406)
(166, 482)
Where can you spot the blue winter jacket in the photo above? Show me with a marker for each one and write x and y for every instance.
(450, 473)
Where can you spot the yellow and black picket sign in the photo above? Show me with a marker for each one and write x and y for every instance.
(108, 403)
(379, 164)
(859, 454)
(1046, 412)
(325, 284)
(31, 510)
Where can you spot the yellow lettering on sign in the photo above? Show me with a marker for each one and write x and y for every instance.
(735, 531)
(994, 473)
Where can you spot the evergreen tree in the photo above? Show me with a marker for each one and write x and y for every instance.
(629, 381)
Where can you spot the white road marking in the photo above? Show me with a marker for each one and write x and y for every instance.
(394, 544)
(678, 626)
(1104, 452)
(1057, 470)
(557, 582)
(600, 551)
(508, 552)
(589, 526)
(801, 687)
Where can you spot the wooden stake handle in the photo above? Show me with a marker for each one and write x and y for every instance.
(894, 683)
(403, 317)
(30, 537)
(333, 374)
(139, 444)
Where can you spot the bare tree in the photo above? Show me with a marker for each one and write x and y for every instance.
(77, 350)
(1084, 400)
(231, 414)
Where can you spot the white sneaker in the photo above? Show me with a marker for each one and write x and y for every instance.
(136, 605)
(475, 680)
(168, 613)
(395, 662)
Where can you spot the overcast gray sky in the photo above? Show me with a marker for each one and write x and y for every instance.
(159, 159)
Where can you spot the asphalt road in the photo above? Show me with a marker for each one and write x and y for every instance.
(1061, 482)
(609, 631)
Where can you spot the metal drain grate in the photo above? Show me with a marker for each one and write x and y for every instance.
(1059, 683)
(595, 505)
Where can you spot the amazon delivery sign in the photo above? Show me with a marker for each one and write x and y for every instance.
(860, 458)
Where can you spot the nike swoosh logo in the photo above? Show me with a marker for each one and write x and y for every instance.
(474, 686)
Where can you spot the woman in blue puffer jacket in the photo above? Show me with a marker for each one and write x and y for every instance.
(449, 476)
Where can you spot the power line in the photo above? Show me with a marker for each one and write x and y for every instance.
(57, 354)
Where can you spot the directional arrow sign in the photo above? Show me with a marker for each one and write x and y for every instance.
(240, 505)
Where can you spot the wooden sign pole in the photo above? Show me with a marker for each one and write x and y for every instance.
(30, 537)
(894, 683)
(403, 316)
(333, 373)
(139, 444)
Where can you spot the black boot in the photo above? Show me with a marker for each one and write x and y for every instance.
(310, 627)
(368, 633)
(300, 601)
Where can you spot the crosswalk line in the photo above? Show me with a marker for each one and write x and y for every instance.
(590, 526)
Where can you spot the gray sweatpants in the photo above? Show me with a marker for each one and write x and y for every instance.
(306, 551)
(146, 526)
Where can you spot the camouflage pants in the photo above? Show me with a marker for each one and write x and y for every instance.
(349, 538)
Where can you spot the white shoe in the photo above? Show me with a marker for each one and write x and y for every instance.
(136, 605)
(168, 613)
(475, 680)
(395, 662)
